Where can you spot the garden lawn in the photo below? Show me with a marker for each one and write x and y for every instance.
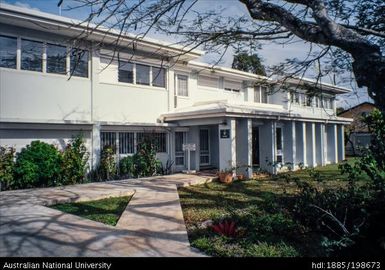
(107, 211)
(261, 210)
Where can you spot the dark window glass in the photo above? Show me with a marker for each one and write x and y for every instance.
(31, 55)
(142, 74)
(278, 134)
(8, 47)
(79, 63)
(279, 138)
(126, 72)
(56, 59)
(158, 77)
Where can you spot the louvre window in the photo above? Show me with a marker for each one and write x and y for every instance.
(126, 142)
(205, 81)
(56, 59)
(79, 63)
(126, 72)
(142, 74)
(8, 48)
(232, 86)
(182, 85)
(31, 55)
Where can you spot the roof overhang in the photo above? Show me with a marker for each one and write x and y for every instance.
(260, 111)
(41, 21)
(319, 85)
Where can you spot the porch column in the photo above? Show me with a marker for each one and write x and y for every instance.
(310, 145)
(304, 144)
(341, 142)
(323, 145)
(313, 145)
(95, 156)
(244, 146)
(294, 143)
(227, 145)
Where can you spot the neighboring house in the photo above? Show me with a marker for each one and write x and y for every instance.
(233, 117)
(357, 133)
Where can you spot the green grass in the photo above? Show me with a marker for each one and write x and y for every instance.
(260, 210)
(107, 211)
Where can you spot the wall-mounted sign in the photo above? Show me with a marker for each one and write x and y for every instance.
(189, 147)
(225, 133)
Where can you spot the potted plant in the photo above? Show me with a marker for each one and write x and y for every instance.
(225, 176)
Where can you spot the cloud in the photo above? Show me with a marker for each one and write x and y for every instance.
(25, 5)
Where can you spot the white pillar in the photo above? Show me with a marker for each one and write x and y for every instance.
(95, 151)
(227, 146)
(294, 143)
(304, 144)
(341, 142)
(313, 145)
(322, 146)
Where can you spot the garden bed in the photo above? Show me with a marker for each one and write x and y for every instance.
(107, 211)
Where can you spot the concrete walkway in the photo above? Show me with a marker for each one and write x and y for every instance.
(151, 225)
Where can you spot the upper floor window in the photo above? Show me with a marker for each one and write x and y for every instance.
(295, 98)
(31, 55)
(8, 48)
(328, 103)
(260, 94)
(309, 100)
(182, 85)
(142, 74)
(206, 81)
(79, 63)
(56, 59)
(158, 77)
(232, 86)
(126, 72)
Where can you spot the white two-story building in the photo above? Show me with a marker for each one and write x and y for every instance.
(115, 93)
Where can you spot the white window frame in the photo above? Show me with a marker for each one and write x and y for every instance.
(177, 85)
(259, 87)
(276, 145)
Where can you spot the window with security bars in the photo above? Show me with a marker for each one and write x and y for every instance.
(108, 139)
(126, 142)
(158, 139)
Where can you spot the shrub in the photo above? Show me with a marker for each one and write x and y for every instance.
(38, 165)
(145, 162)
(75, 158)
(107, 166)
(7, 167)
(126, 167)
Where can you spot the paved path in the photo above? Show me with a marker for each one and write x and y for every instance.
(151, 225)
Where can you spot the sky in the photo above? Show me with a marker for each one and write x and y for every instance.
(271, 54)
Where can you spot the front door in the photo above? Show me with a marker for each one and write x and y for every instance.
(204, 147)
(255, 145)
